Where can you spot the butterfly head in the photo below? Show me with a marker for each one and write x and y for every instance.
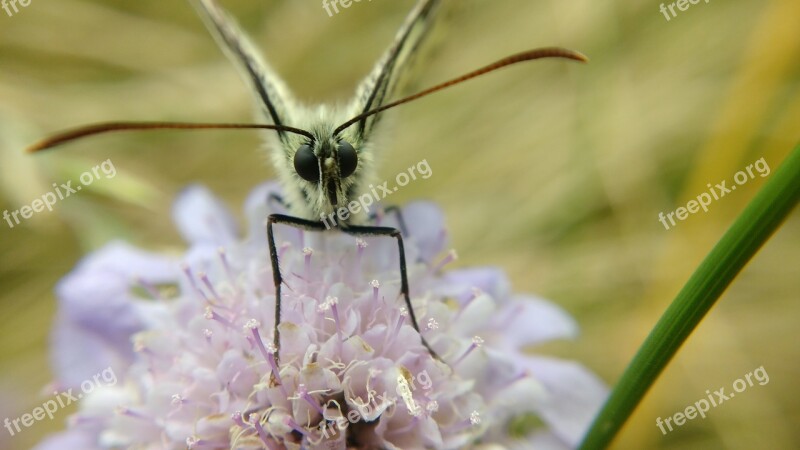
(327, 164)
(321, 171)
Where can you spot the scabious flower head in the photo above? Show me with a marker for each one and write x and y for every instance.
(189, 339)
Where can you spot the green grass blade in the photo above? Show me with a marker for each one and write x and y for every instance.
(748, 233)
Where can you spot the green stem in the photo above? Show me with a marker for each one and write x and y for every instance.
(742, 240)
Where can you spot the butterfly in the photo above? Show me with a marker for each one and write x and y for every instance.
(323, 155)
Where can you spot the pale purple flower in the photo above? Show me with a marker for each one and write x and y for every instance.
(189, 338)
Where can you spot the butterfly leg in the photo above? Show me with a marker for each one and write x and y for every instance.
(394, 233)
(296, 222)
(309, 225)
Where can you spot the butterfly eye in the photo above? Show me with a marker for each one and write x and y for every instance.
(305, 163)
(348, 160)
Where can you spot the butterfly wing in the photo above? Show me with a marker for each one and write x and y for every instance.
(273, 95)
(381, 82)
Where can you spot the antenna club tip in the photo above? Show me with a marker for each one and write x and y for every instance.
(571, 54)
(551, 52)
(581, 57)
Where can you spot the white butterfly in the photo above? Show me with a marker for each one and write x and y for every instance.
(323, 155)
(334, 165)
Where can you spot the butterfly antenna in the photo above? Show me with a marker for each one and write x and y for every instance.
(539, 53)
(109, 127)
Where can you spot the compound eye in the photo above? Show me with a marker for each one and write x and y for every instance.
(348, 159)
(305, 163)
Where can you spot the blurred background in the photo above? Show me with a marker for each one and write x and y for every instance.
(554, 171)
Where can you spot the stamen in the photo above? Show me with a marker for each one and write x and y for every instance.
(450, 257)
(400, 321)
(207, 282)
(178, 400)
(188, 271)
(268, 352)
(262, 433)
(210, 314)
(302, 393)
(477, 341)
(223, 256)
(361, 245)
(193, 443)
(237, 419)
(308, 251)
(125, 411)
(522, 375)
(474, 420)
(476, 292)
(375, 287)
(289, 422)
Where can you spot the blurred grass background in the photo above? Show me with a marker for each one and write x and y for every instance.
(554, 171)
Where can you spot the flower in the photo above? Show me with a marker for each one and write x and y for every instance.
(189, 339)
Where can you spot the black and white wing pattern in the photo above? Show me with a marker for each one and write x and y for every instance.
(272, 94)
(379, 85)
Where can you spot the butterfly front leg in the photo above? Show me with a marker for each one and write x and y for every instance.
(296, 222)
(310, 225)
(396, 234)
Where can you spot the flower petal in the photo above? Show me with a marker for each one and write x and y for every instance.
(530, 320)
(79, 354)
(575, 396)
(425, 223)
(257, 207)
(202, 218)
(462, 282)
(98, 314)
